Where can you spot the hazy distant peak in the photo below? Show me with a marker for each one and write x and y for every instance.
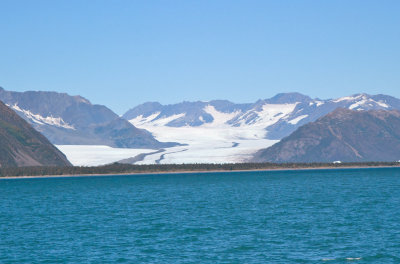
(289, 98)
(81, 99)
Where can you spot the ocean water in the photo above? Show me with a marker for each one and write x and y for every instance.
(314, 216)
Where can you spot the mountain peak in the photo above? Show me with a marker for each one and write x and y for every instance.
(289, 98)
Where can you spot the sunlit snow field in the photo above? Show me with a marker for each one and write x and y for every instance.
(90, 155)
(204, 145)
(208, 145)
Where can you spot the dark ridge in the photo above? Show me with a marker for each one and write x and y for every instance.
(21, 145)
(342, 135)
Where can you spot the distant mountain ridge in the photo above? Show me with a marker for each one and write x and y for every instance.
(66, 119)
(342, 135)
(22, 145)
(279, 115)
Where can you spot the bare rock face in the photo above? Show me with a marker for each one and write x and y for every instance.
(342, 135)
(21, 145)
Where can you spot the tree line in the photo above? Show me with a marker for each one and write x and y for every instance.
(118, 168)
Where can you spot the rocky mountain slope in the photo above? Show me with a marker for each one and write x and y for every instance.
(343, 135)
(277, 117)
(21, 145)
(73, 120)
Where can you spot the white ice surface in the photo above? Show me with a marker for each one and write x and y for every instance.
(215, 142)
(207, 144)
(204, 145)
(90, 155)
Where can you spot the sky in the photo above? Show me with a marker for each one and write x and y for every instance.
(124, 53)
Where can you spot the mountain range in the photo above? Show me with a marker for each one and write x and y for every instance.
(21, 145)
(278, 116)
(217, 131)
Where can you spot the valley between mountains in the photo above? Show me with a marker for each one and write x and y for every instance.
(217, 131)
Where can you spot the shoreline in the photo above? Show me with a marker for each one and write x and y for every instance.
(195, 172)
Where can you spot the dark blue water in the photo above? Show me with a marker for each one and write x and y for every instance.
(332, 216)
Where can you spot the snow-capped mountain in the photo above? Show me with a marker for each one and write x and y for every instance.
(221, 131)
(277, 116)
(73, 120)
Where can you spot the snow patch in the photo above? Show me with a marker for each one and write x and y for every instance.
(318, 103)
(297, 119)
(348, 98)
(154, 120)
(143, 120)
(219, 118)
(38, 119)
(380, 103)
(367, 102)
(269, 115)
(357, 104)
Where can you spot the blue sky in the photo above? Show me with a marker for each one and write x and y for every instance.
(123, 53)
